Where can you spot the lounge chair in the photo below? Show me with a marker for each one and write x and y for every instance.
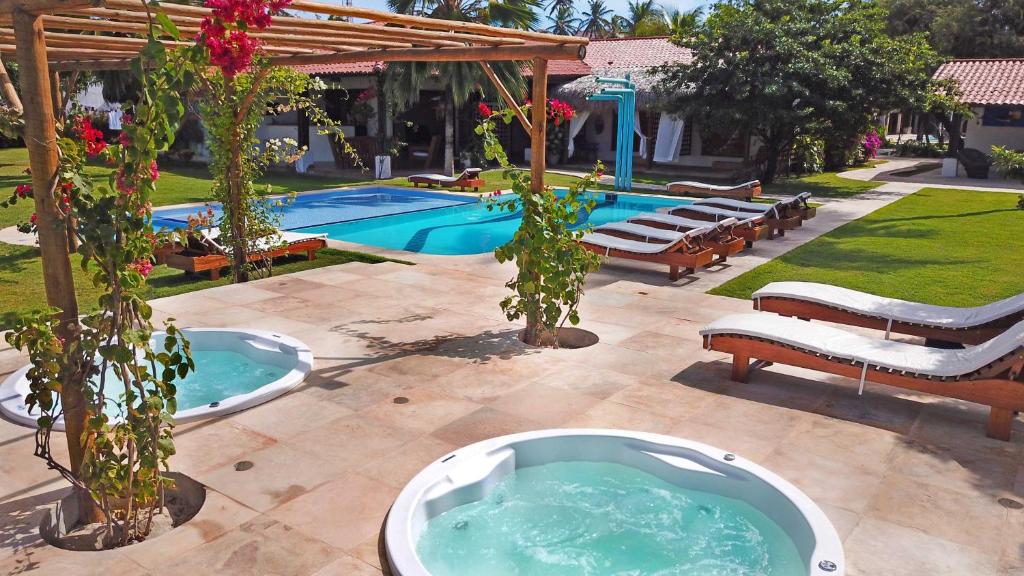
(810, 300)
(203, 252)
(793, 210)
(724, 242)
(751, 227)
(991, 373)
(682, 250)
(744, 191)
(470, 178)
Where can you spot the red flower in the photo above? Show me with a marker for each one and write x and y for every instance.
(143, 266)
(599, 174)
(154, 172)
(484, 110)
(224, 32)
(23, 190)
(33, 218)
(91, 136)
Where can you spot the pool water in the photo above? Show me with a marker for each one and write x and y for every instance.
(472, 228)
(598, 519)
(419, 221)
(219, 374)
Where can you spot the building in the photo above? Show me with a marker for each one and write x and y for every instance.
(994, 88)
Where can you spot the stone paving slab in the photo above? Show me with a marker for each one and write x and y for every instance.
(909, 480)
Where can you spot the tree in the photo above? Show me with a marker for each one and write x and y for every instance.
(405, 80)
(778, 68)
(564, 21)
(962, 28)
(596, 21)
(645, 18)
(683, 23)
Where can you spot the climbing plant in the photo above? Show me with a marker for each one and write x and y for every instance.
(106, 378)
(241, 87)
(552, 264)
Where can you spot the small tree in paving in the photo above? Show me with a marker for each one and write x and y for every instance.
(113, 387)
(553, 266)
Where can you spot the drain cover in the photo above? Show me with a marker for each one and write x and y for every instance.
(401, 400)
(243, 465)
(1010, 504)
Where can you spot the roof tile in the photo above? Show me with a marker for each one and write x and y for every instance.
(995, 82)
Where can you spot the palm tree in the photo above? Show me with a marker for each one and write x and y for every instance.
(555, 5)
(645, 18)
(404, 80)
(597, 20)
(683, 23)
(564, 21)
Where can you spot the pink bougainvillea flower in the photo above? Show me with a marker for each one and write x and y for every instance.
(154, 171)
(224, 31)
(143, 266)
(91, 136)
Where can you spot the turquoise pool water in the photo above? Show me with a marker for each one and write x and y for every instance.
(471, 228)
(221, 372)
(603, 519)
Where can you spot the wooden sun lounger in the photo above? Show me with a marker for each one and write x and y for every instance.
(685, 252)
(989, 374)
(470, 178)
(203, 254)
(751, 227)
(786, 209)
(724, 243)
(813, 301)
(744, 191)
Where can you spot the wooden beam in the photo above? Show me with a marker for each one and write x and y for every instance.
(431, 23)
(128, 44)
(538, 135)
(7, 88)
(315, 26)
(464, 54)
(41, 140)
(91, 65)
(506, 96)
(43, 6)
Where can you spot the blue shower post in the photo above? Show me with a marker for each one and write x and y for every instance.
(624, 95)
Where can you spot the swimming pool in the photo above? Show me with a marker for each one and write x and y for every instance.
(419, 221)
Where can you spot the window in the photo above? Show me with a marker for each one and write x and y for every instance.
(686, 142)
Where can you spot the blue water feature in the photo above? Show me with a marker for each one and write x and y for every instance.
(472, 228)
(603, 519)
(333, 206)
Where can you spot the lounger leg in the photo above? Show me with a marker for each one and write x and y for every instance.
(673, 273)
(740, 367)
(311, 254)
(214, 273)
(1000, 423)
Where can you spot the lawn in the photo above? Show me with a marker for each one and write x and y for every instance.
(21, 281)
(823, 185)
(947, 247)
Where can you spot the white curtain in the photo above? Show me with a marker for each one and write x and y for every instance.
(670, 136)
(114, 118)
(575, 125)
(643, 138)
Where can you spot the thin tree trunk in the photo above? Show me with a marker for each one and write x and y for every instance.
(449, 132)
(538, 139)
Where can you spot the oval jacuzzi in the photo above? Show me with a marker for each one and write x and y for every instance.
(603, 502)
(235, 369)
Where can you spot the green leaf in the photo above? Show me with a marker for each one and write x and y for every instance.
(168, 26)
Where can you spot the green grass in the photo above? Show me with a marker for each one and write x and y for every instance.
(823, 185)
(947, 247)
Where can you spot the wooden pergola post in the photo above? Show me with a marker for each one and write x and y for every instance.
(538, 124)
(7, 88)
(41, 141)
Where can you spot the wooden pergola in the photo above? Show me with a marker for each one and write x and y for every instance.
(51, 36)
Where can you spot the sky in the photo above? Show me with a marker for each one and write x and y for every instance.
(618, 6)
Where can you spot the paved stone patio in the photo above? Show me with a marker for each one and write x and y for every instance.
(910, 481)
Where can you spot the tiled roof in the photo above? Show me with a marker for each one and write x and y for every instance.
(608, 54)
(997, 82)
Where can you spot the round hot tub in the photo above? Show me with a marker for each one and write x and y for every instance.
(602, 502)
(235, 369)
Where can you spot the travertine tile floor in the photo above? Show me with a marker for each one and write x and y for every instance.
(910, 481)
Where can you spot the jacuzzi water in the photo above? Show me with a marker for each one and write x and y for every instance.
(590, 518)
(235, 369)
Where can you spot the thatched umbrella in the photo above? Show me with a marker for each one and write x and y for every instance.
(577, 91)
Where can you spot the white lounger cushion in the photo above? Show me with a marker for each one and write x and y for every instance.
(759, 207)
(891, 308)
(712, 186)
(720, 213)
(648, 232)
(900, 356)
(634, 246)
(437, 177)
(679, 221)
(282, 237)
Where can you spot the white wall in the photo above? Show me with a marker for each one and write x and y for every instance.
(985, 137)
